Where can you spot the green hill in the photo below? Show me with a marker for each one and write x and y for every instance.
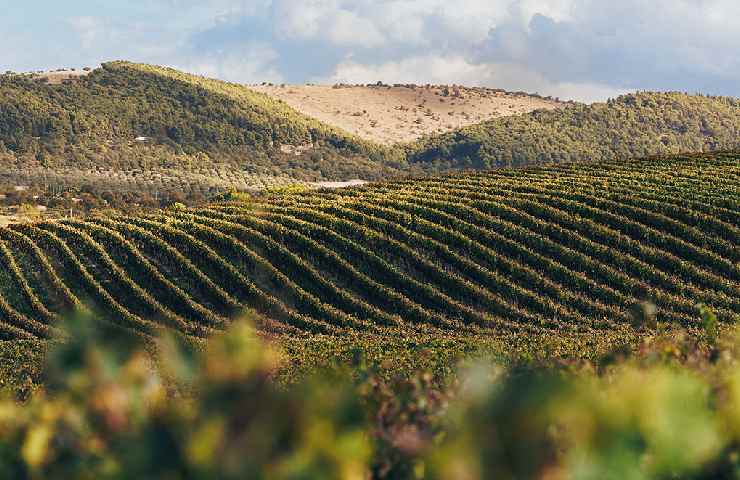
(123, 100)
(182, 122)
(562, 250)
(631, 126)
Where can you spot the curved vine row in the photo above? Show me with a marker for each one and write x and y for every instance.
(561, 248)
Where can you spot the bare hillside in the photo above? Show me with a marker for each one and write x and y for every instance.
(392, 114)
(59, 76)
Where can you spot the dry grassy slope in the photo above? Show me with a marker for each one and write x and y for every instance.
(57, 77)
(392, 114)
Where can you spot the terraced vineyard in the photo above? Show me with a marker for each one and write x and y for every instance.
(566, 248)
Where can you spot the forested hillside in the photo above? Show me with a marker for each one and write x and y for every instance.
(630, 126)
(564, 249)
(129, 117)
(122, 101)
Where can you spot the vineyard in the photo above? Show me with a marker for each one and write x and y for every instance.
(568, 248)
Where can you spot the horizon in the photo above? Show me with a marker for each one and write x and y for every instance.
(583, 50)
(80, 69)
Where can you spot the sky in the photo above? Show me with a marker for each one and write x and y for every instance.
(586, 50)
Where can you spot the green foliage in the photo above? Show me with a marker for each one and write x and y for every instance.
(123, 101)
(108, 414)
(709, 322)
(668, 410)
(147, 121)
(291, 189)
(21, 366)
(602, 251)
(630, 126)
(110, 409)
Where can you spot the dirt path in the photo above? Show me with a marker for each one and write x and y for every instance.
(6, 220)
(390, 115)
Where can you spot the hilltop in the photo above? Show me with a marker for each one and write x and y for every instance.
(391, 114)
(122, 102)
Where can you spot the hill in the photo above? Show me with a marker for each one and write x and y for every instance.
(552, 251)
(122, 101)
(391, 114)
(157, 123)
(630, 126)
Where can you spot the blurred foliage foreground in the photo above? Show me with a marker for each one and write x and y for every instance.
(670, 409)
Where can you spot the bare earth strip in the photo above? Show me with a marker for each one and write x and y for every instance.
(389, 115)
(55, 78)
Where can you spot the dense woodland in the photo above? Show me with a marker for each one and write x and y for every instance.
(121, 101)
(183, 123)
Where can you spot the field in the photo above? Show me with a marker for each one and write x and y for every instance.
(564, 249)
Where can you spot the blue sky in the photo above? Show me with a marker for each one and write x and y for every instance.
(581, 49)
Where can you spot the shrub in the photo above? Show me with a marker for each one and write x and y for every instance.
(107, 411)
(108, 414)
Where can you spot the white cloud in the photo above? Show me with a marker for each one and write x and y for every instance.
(440, 22)
(249, 64)
(581, 92)
(89, 29)
(670, 44)
(300, 19)
(327, 20)
(348, 28)
(558, 10)
(583, 49)
(420, 70)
